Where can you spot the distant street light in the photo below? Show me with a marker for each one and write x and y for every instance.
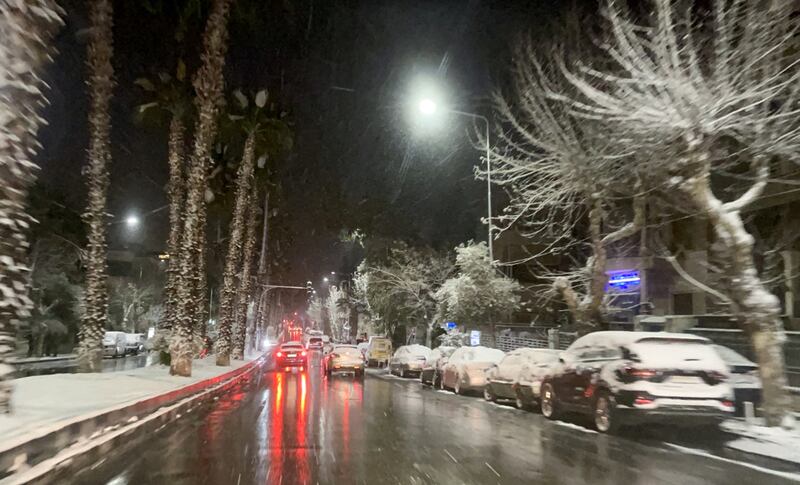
(428, 108)
(325, 279)
(132, 221)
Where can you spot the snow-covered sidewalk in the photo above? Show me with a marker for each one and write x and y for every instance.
(39, 403)
(776, 443)
(36, 360)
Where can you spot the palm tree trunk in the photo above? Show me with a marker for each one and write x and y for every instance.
(101, 84)
(245, 284)
(27, 30)
(234, 255)
(209, 84)
(201, 281)
(177, 187)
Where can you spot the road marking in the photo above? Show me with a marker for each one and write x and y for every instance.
(692, 451)
(492, 469)
(451, 456)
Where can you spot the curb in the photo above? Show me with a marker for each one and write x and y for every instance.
(20, 456)
(766, 461)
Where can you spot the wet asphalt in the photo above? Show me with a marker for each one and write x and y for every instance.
(281, 428)
(70, 366)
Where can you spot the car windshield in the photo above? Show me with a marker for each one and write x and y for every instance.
(292, 202)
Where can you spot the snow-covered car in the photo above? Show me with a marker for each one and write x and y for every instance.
(622, 378)
(409, 360)
(466, 368)
(314, 343)
(134, 343)
(518, 377)
(744, 379)
(379, 351)
(432, 371)
(114, 344)
(344, 359)
(363, 347)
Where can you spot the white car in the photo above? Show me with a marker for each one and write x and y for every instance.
(466, 368)
(518, 377)
(134, 343)
(622, 378)
(432, 371)
(745, 380)
(409, 360)
(114, 344)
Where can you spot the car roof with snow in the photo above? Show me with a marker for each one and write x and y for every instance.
(618, 338)
(292, 343)
(417, 349)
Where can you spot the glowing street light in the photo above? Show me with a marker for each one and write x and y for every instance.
(325, 279)
(132, 221)
(427, 106)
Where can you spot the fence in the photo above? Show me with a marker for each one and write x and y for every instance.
(736, 340)
(511, 338)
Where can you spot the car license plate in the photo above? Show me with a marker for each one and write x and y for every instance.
(291, 355)
(684, 380)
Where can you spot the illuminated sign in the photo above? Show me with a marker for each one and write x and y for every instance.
(627, 281)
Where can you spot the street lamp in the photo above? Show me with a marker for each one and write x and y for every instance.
(132, 221)
(428, 108)
(325, 279)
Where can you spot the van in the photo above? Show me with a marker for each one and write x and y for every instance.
(134, 343)
(379, 351)
(114, 344)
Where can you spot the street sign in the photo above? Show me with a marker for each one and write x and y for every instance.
(450, 325)
(475, 338)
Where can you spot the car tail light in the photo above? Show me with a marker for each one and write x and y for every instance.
(631, 374)
(727, 403)
(279, 354)
(643, 400)
(713, 377)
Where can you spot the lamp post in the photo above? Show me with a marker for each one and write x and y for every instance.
(429, 107)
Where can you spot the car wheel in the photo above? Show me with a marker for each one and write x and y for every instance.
(457, 385)
(604, 417)
(402, 372)
(487, 394)
(549, 401)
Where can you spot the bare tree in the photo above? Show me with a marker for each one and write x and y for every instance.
(27, 30)
(563, 172)
(208, 84)
(689, 94)
(101, 84)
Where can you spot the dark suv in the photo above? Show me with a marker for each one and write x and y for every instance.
(622, 378)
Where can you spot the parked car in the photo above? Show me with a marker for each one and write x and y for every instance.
(409, 360)
(466, 368)
(114, 344)
(314, 343)
(291, 355)
(432, 371)
(344, 359)
(379, 351)
(744, 379)
(518, 377)
(134, 343)
(622, 378)
(363, 347)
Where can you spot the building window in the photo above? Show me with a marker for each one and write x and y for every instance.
(682, 304)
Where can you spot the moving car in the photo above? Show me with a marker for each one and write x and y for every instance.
(379, 351)
(134, 343)
(744, 379)
(518, 377)
(466, 368)
(314, 343)
(409, 360)
(622, 378)
(291, 355)
(344, 359)
(114, 344)
(432, 371)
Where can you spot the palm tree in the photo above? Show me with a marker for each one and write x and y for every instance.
(245, 283)
(170, 103)
(101, 84)
(27, 30)
(208, 84)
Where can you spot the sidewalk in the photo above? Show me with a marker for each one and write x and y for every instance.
(40, 403)
(772, 443)
(36, 360)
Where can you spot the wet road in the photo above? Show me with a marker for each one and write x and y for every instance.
(307, 429)
(70, 366)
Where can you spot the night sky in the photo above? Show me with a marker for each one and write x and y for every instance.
(345, 70)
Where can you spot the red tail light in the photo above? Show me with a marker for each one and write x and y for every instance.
(279, 354)
(303, 353)
(727, 403)
(643, 400)
(631, 374)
